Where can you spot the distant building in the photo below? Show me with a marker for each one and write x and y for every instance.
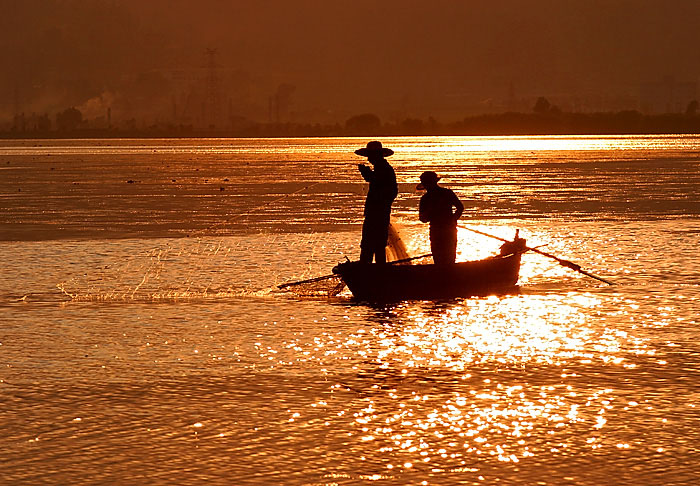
(667, 96)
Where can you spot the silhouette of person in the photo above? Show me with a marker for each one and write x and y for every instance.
(382, 192)
(441, 208)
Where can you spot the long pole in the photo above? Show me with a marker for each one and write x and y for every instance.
(326, 277)
(561, 261)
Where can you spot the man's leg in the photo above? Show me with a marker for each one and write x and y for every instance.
(451, 247)
(366, 255)
(380, 254)
(443, 245)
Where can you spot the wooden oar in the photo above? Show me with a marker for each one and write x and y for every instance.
(311, 280)
(561, 261)
(326, 277)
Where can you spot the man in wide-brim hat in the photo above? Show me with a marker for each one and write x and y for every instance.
(382, 192)
(374, 149)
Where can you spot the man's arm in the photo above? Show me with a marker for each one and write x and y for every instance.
(367, 172)
(459, 207)
(423, 211)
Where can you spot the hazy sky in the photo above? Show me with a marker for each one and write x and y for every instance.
(348, 57)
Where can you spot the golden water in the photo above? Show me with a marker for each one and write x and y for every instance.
(169, 358)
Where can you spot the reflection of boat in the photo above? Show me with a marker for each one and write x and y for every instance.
(389, 283)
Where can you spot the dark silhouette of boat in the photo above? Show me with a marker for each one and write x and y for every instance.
(395, 281)
(377, 282)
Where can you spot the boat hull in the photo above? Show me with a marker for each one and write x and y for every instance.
(388, 283)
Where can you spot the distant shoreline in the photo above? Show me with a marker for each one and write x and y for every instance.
(504, 124)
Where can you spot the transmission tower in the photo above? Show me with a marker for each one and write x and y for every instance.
(212, 115)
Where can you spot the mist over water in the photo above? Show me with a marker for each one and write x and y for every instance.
(145, 61)
(170, 357)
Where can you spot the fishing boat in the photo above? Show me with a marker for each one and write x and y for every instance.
(374, 282)
(398, 280)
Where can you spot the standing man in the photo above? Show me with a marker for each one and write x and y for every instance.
(382, 192)
(441, 208)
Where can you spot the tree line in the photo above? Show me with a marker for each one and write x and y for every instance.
(544, 119)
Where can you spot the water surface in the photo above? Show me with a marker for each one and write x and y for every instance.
(168, 357)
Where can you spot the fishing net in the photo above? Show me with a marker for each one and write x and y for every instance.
(201, 268)
(396, 248)
(174, 270)
(332, 285)
(208, 267)
(205, 266)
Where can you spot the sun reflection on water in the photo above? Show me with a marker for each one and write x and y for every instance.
(559, 143)
(443, 386)
(511, 329)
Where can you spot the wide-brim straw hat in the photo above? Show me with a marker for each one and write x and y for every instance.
(374, 148)
(427, 177)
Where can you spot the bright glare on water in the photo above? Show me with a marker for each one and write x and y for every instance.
(144, 340)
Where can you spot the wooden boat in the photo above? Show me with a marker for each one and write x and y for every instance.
(374, 282)
(394, 281)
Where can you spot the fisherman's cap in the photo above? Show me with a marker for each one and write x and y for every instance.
(374, 148)
(427, 177)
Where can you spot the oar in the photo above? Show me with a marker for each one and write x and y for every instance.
(311, 280)
(326, 277)
(561, 261)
